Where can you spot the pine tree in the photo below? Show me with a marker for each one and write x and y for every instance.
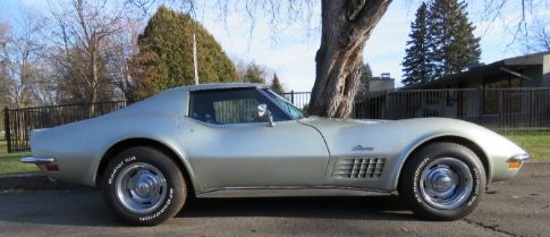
(165, 59)
(254, 74)
(416, 64)
(276, 85)
(365, 74)
(454, 45)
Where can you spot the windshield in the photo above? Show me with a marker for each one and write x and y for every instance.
(286, 106)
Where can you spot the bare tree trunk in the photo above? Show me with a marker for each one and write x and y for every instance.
(346, 26)
(95, 80)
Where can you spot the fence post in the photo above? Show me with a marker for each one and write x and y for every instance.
(385, 114)
(7, 134)
(481, 100)
(532, 108)
(292, 96)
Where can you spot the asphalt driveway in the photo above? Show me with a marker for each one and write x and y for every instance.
(520, 207)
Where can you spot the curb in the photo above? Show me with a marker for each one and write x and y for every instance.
(39, 181)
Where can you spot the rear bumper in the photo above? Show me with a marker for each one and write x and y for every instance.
(37, 160)
(45, 164)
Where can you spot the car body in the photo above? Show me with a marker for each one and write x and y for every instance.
(243, 140)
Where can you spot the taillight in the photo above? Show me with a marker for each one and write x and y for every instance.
(51, 167)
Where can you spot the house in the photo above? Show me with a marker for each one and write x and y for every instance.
(531, 70)
(370, 98)
(513, 92)
(382, 83)
(516, 87)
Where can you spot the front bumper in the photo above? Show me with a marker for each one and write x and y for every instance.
(516, 161)
(520, 158)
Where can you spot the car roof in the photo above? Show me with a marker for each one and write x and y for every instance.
(219, 86)
(171, 100)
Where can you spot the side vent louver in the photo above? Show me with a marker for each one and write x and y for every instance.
(359, 168)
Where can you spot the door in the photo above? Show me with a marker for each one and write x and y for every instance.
(229, 146)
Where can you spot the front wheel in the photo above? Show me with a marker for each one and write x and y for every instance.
(143, 186)
(443, 181)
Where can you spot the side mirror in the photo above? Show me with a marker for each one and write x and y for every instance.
(263, 112)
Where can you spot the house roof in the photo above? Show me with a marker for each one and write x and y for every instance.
(505, 65)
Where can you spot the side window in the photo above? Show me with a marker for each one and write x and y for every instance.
(230, 106)
(235, 111)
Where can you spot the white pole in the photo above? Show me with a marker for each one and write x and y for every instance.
(195, 60)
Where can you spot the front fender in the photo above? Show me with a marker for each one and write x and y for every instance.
(492, 149)
(395, 141)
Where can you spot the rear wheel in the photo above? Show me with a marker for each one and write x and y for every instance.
(443, 181)
(144, 186)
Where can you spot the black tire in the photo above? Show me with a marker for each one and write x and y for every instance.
(443, 181)
(143, 186)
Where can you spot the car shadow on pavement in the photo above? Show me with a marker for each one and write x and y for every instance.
(85, 207)
(73, 207)
(366, 208)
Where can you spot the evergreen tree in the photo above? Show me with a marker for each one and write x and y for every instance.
(165, 59)
(454, 45)
(365, 74)
(276, 85)
(254, 74)
(416, 64)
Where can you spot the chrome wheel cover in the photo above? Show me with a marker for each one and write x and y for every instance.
(141, 188)
(446, 183)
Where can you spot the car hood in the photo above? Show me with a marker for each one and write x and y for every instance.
(406, 128)
(342, 123)
(397, 136)
(342, 135)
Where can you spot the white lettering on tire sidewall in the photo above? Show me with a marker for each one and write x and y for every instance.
(473, 196)
(476, 188)
(112, 180)
(161, 210)
(416, 180)
(112, 176)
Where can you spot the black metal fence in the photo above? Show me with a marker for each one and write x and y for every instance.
(299, 99)
(19, 122)
(503, 110)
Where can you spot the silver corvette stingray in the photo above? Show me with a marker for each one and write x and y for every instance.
(243, 140)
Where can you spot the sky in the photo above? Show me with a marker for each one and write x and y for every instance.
(291, 51)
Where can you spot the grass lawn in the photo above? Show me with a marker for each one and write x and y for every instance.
(538, 145)
(9, 162)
